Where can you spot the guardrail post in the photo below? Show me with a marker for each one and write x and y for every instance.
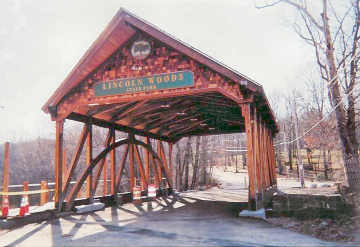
(44, 197)
(5, 198)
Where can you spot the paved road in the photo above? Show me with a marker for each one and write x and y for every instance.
(204, 218)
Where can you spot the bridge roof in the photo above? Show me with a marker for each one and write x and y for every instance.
(124, 27)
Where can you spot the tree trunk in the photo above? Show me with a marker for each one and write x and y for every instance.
(345, 122)
(236, 163)
(244, 159)
(196, 163)
(290, 157)
(325, 165)
(186, 164)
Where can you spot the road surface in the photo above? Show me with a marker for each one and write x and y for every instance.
(204, 218)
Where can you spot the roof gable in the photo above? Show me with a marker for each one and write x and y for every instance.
(124, 27)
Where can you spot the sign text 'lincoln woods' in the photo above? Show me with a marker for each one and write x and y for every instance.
(142, 84)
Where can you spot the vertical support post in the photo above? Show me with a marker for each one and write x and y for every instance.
(158, 167)
(265, 153)
(170, 163)
(273, 166)
(112, 164)
(155, 171)
(6, 168)
(246, 113)
(262, 156)
(131, 163)
(105, 190)
(59, 197)
(257, 152)
(144, 184)
(64, 167)
(88, 162)
(147, 165)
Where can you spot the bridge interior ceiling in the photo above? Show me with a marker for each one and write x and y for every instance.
(169, 119)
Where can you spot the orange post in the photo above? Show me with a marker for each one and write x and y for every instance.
(44, 196)
(5, 198)
(27, 201)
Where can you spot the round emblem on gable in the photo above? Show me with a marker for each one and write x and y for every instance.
(140, 49)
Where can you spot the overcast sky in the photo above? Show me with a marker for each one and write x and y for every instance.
(41, 41)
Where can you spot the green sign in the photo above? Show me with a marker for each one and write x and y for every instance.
(142, 84)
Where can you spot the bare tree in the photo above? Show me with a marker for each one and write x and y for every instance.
(332, 29)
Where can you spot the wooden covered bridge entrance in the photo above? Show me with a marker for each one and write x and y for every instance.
(140, 80)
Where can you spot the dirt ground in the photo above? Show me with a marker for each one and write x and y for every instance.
(202, 218)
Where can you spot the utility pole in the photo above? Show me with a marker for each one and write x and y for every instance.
(301, 167)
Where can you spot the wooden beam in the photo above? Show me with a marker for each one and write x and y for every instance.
(170, 162)
(122, 166)
(64, 168)
(179, 122)
(89, 157)
(100, 167)
(106, 124)
(155, 170)
(144, 184)
(112, 163)
(147, 165)
(246, 112)
(138, 105)
(166, 172)
(59, 142)
(131, 168)
(187, 128)
(75, 158)
(156, 124)
(266, 156)
(158, 166)
(85, 173)
(105, 187)
(161, 153)
(272, 152)
(101, 109)
(257, 151)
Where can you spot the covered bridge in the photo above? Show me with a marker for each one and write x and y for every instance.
(136, 78)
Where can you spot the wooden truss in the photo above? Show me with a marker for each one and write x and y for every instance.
(154, 167)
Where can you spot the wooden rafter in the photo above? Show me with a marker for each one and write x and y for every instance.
(174, 124)
(129, 110)
(100, 109)
(187, 128)
(115, 112)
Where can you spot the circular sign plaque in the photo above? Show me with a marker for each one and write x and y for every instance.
(140, 49)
